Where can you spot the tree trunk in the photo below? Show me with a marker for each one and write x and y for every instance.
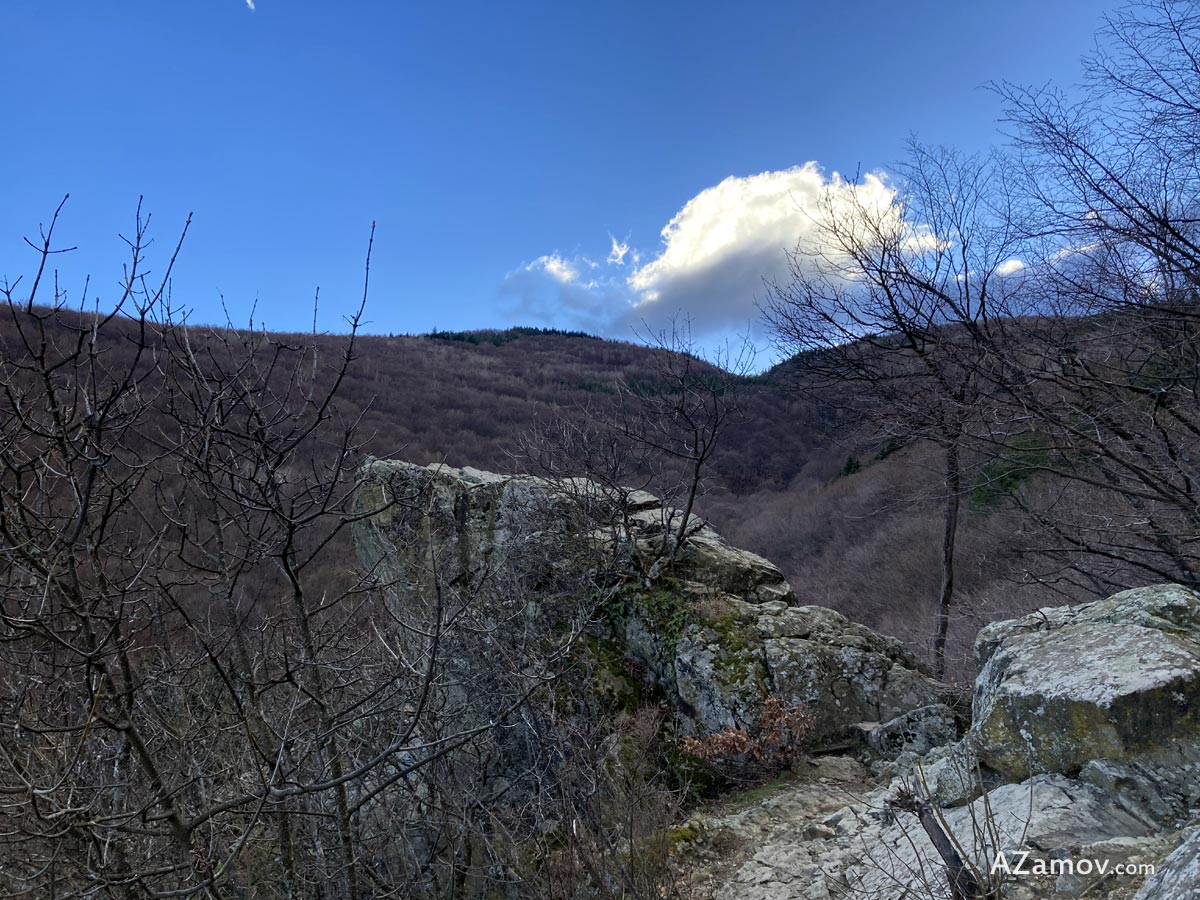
(963, 883)
(681, 532)
(949, 536)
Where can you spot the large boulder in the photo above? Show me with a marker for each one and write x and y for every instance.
(1115, 680)
(736, 654)
(717, 628)
(510, 522)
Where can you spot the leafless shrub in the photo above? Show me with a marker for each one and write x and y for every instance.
(775, 742)
(618, 837)
(202, 693)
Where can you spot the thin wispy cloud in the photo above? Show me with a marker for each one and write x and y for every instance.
(250, 5)
(620, 249)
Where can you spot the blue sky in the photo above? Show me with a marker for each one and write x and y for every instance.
(521, 159)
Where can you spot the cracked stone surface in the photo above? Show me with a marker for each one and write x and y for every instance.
(1086, 719)
(1085, 746)
(1178, 878)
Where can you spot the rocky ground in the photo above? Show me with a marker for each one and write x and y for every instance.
(1107, 747)
(825, 832)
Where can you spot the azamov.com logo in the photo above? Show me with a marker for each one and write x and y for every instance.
(1019, 862)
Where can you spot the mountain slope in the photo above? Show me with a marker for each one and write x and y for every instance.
(854, 525)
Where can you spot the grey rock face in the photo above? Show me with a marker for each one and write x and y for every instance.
(951, 774)
(1086, 718)
(917, 732)
(807, 656)
(505, 519)
(707, 559)
(1109, 680)
(863, 850)
(1161, 784)
(719, 630)
(1178, 878)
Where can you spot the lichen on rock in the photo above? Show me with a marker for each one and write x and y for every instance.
(1112, 679)
(1119, 749)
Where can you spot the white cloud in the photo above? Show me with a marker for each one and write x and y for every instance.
(250, 5)
(556, 267)
(715, 254)
(619, 251)
(536, 295)
(727, 239)
(736, 218)
(1010, 267)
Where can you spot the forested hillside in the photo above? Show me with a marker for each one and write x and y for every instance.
(851, 517)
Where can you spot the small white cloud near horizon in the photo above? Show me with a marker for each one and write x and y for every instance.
(717, 253)
(556, 267)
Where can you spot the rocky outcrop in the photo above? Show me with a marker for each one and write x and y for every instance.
(1083, 757)
(726, 663)
(717, 628)
(1085, 735)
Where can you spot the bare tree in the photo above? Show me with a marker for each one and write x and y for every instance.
(1113, 184)
(658, 431)
(682, 412)
(201, 694)
(898, 303)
